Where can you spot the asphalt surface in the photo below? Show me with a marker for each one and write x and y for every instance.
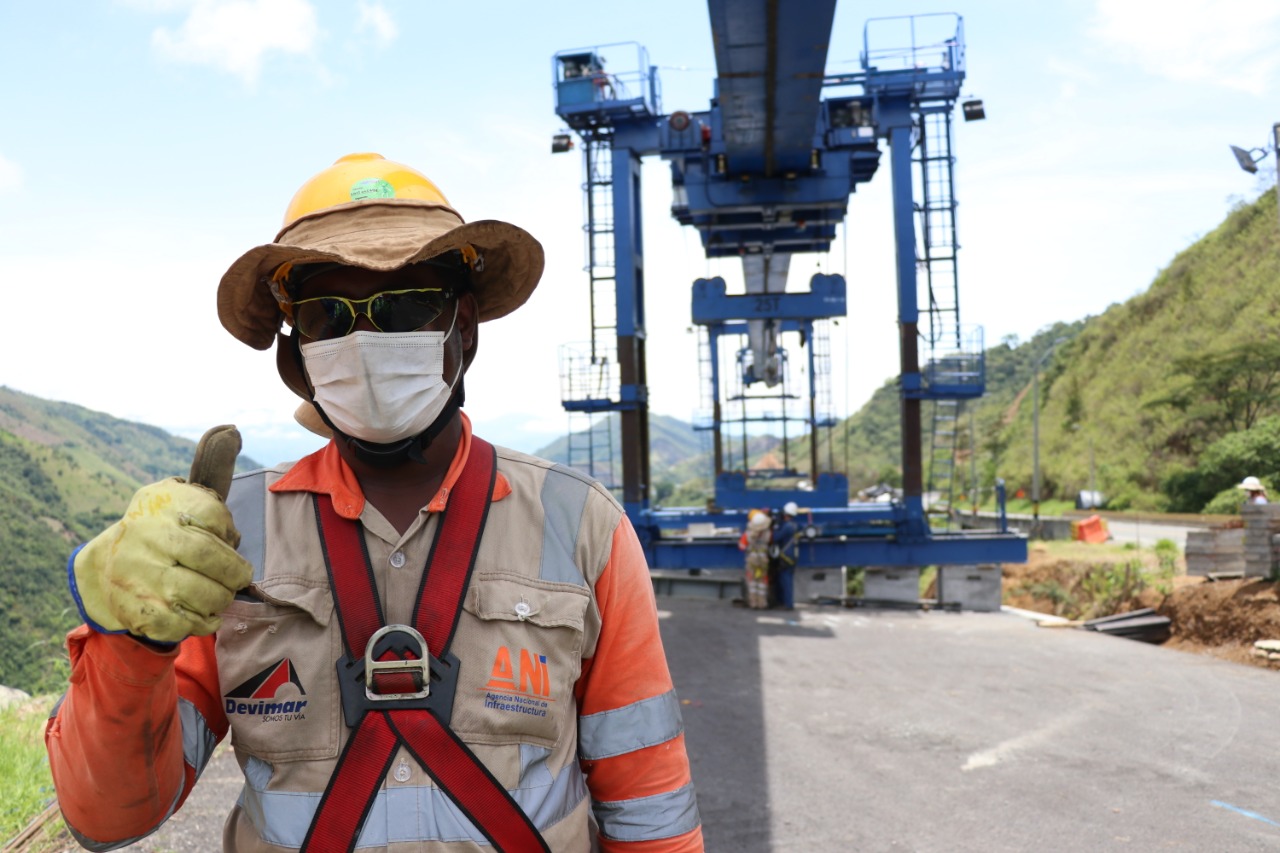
(834, 729)
(1145, 534)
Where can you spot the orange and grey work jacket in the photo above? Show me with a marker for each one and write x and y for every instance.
(563, 689)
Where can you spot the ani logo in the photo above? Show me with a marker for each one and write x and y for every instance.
(521, 689)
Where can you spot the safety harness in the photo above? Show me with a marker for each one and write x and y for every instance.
(397, 681)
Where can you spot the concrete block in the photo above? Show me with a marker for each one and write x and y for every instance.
(821, 583)
(892, 583)
(698, 583)
(970, 587)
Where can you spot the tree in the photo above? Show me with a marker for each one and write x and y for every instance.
(1254, 452)
(1227, 391)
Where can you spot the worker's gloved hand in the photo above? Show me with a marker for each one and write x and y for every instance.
(166, 570)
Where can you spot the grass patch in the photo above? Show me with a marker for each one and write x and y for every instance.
(1049, 507)
(1071, 549)
(26, 787)
(928, 577)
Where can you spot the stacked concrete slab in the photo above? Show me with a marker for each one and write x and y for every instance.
(970, 587)
(896, 584)
(821, 584)
(1215, 551)
(965, 587)
(1261, 530)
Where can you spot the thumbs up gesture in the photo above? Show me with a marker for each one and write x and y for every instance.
(168, 568)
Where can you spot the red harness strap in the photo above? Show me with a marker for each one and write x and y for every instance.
(420, 724)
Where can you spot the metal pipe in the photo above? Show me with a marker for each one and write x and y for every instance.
(1035, 436)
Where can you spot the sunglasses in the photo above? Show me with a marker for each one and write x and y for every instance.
(324, 317)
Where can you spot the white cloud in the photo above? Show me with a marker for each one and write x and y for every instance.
(236, 35)
(10, 174)
(1226, 43)
(374, 16)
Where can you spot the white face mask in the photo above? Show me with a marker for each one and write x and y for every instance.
(381, 387)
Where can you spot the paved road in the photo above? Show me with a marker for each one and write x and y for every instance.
(853, 730)
(831, 729)
(1146, 533)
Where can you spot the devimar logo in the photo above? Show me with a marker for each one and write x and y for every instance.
(258, 694)
(519, 683)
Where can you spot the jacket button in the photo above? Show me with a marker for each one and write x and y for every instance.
(397, 559)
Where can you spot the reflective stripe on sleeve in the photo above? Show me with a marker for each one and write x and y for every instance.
(406, 813)
(247, 501)
(564, 495)
(636, 726)
(649, 818)
(198, 740)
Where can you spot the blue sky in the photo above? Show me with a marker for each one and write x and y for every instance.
(148, 143)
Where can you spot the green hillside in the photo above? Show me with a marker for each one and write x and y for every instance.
(868, 444)
(65, 473)
(1157, 384)
(1174, 394)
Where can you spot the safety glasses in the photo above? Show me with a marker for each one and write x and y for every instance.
(324, 317)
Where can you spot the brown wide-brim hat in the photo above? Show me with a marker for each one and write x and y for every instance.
(307, 417)
(381, 235)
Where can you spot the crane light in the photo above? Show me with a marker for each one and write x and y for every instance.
(561, 143)
(973, 110)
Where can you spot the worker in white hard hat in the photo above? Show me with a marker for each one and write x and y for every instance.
(416, 640)
(1255, 492)
(786, 552)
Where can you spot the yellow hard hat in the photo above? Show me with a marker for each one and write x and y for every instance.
(359, 177)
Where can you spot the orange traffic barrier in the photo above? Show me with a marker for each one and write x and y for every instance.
(1092, 529)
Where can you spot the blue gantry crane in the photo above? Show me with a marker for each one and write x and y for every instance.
(763, 173)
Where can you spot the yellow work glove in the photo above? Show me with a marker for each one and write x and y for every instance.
(166, 570)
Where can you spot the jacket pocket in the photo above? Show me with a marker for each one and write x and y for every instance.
(277, 658)
(520, 641)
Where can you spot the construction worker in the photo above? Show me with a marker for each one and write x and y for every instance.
(755, 542)
(422, 642)
(1254, 491)
(785, 552)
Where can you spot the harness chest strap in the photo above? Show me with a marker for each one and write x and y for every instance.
(399, 693)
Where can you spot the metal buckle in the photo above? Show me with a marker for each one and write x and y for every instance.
(438, 676)
(373, 666)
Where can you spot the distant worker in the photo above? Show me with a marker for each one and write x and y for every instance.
(423, 642)
(1254, 491)
(755, 542)
(786, 553)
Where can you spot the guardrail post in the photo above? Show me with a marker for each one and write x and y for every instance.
(1004, 519)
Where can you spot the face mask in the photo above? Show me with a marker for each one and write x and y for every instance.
(381, 387)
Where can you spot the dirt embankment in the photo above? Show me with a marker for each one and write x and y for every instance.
(1220, 618)
(1225, 618)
